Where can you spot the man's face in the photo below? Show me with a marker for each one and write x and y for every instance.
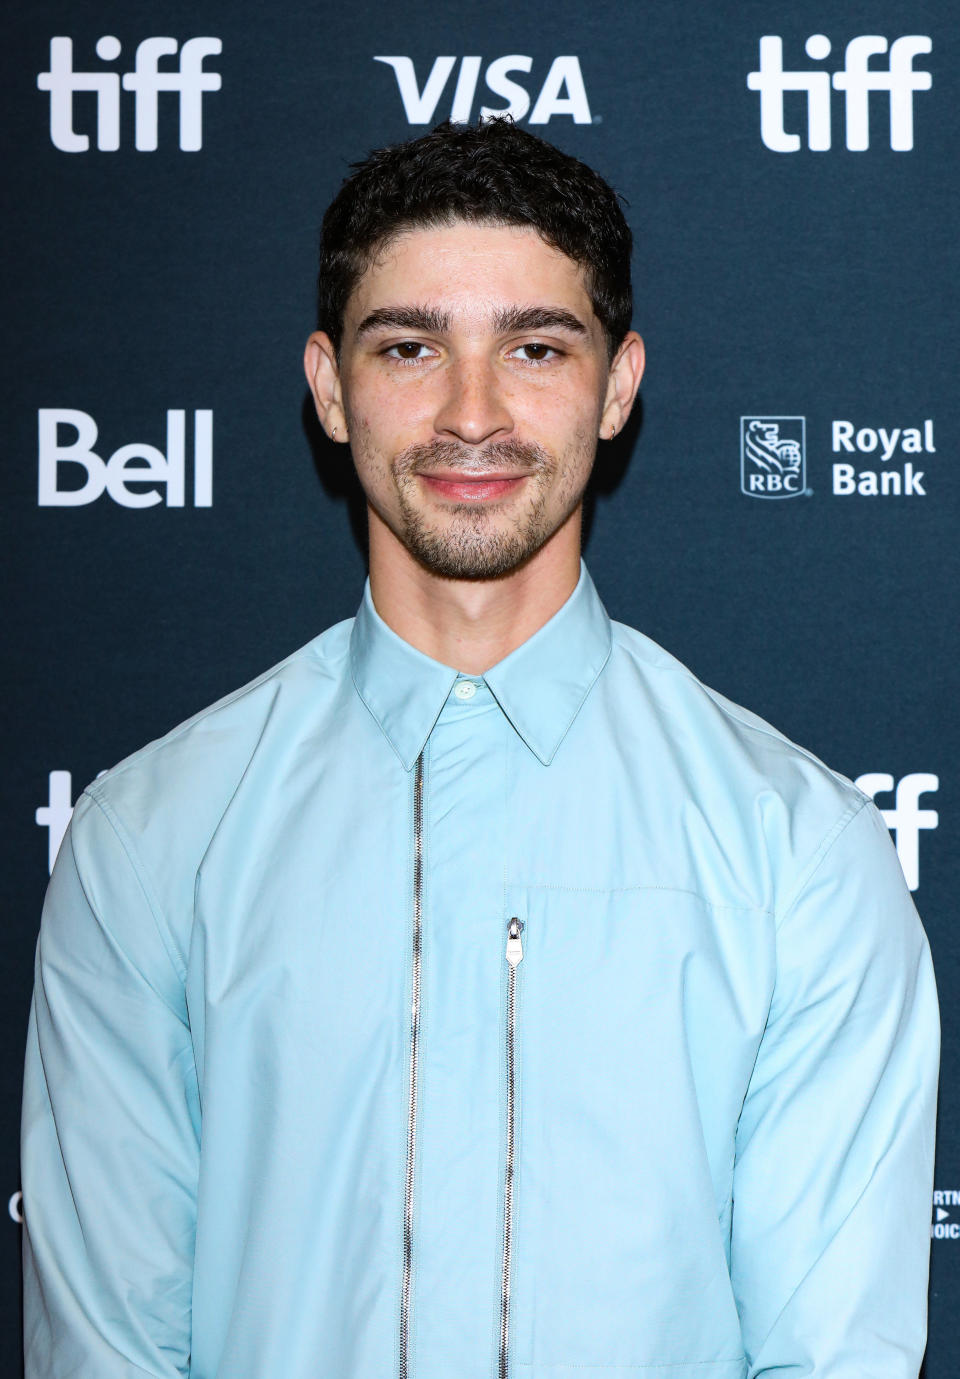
(473, 378)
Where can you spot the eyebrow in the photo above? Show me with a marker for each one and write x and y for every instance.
(425, 318)
(507, 321)
(523, 318)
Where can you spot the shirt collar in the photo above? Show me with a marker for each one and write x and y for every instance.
(539, 686)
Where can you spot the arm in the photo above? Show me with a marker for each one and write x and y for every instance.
(834, 1156)
(110, 1132)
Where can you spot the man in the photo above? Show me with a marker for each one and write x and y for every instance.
(476, 993)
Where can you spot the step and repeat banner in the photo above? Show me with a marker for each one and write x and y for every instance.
(781, 512)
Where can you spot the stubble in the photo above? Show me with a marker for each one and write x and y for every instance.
(475, 541)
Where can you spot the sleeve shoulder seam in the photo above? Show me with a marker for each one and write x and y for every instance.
(143, 880)
(852, 812)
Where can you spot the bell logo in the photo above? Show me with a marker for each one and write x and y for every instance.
(906, 818)
(146, 81)
(856, 80)
(562, 91)
(128, 469)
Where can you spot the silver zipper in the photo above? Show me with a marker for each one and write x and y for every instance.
(414, 1038)
(514, 954)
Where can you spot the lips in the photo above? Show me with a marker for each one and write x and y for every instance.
(474, 488)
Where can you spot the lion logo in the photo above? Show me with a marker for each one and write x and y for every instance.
(772, 454)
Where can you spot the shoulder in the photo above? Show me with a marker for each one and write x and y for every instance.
(724, 732)
(165, 801)
(772, 800)
(208, 748)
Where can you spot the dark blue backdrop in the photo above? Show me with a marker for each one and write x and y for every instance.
(159, 267)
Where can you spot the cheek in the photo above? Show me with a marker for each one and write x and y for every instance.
(567, 426)
(569, 409)
(578, 453)
(387, 419)
(372, 442)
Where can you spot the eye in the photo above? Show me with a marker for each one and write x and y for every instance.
(408, 351)
(534, 352)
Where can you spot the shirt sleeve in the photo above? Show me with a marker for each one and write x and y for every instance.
(834, 1156)
(110, 1127)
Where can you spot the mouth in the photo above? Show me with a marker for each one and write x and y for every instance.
(472, 488)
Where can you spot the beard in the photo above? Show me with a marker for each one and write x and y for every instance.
(471, 544)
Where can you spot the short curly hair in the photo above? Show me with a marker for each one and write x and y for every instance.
(493, 172)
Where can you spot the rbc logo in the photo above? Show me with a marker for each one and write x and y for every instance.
(131, 464)
(562, 92)
(146, 81)
(856, 79)
(773, 456)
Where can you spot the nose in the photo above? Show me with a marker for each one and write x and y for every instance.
(473, 407)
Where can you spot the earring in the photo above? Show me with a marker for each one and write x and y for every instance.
(333, 434)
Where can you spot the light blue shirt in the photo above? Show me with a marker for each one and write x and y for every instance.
(292, 1112)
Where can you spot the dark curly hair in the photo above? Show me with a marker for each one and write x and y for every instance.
(493, 172)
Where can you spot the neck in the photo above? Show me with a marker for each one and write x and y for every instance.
(464, 623)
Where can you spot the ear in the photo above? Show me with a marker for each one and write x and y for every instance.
(626, 372)
(323, 378)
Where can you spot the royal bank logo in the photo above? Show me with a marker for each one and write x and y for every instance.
(773, 456)
(885, 460)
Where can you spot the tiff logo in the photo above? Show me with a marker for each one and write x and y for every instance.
(146, 81)
(562, 91)
(55, 814)
(906, 818)
(124, 474)
(856, 79)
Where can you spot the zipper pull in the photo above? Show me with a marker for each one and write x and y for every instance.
(514, 946)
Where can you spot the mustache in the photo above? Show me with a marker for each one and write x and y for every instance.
(470, 459)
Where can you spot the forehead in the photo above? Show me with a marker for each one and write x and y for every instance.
(471, 271)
